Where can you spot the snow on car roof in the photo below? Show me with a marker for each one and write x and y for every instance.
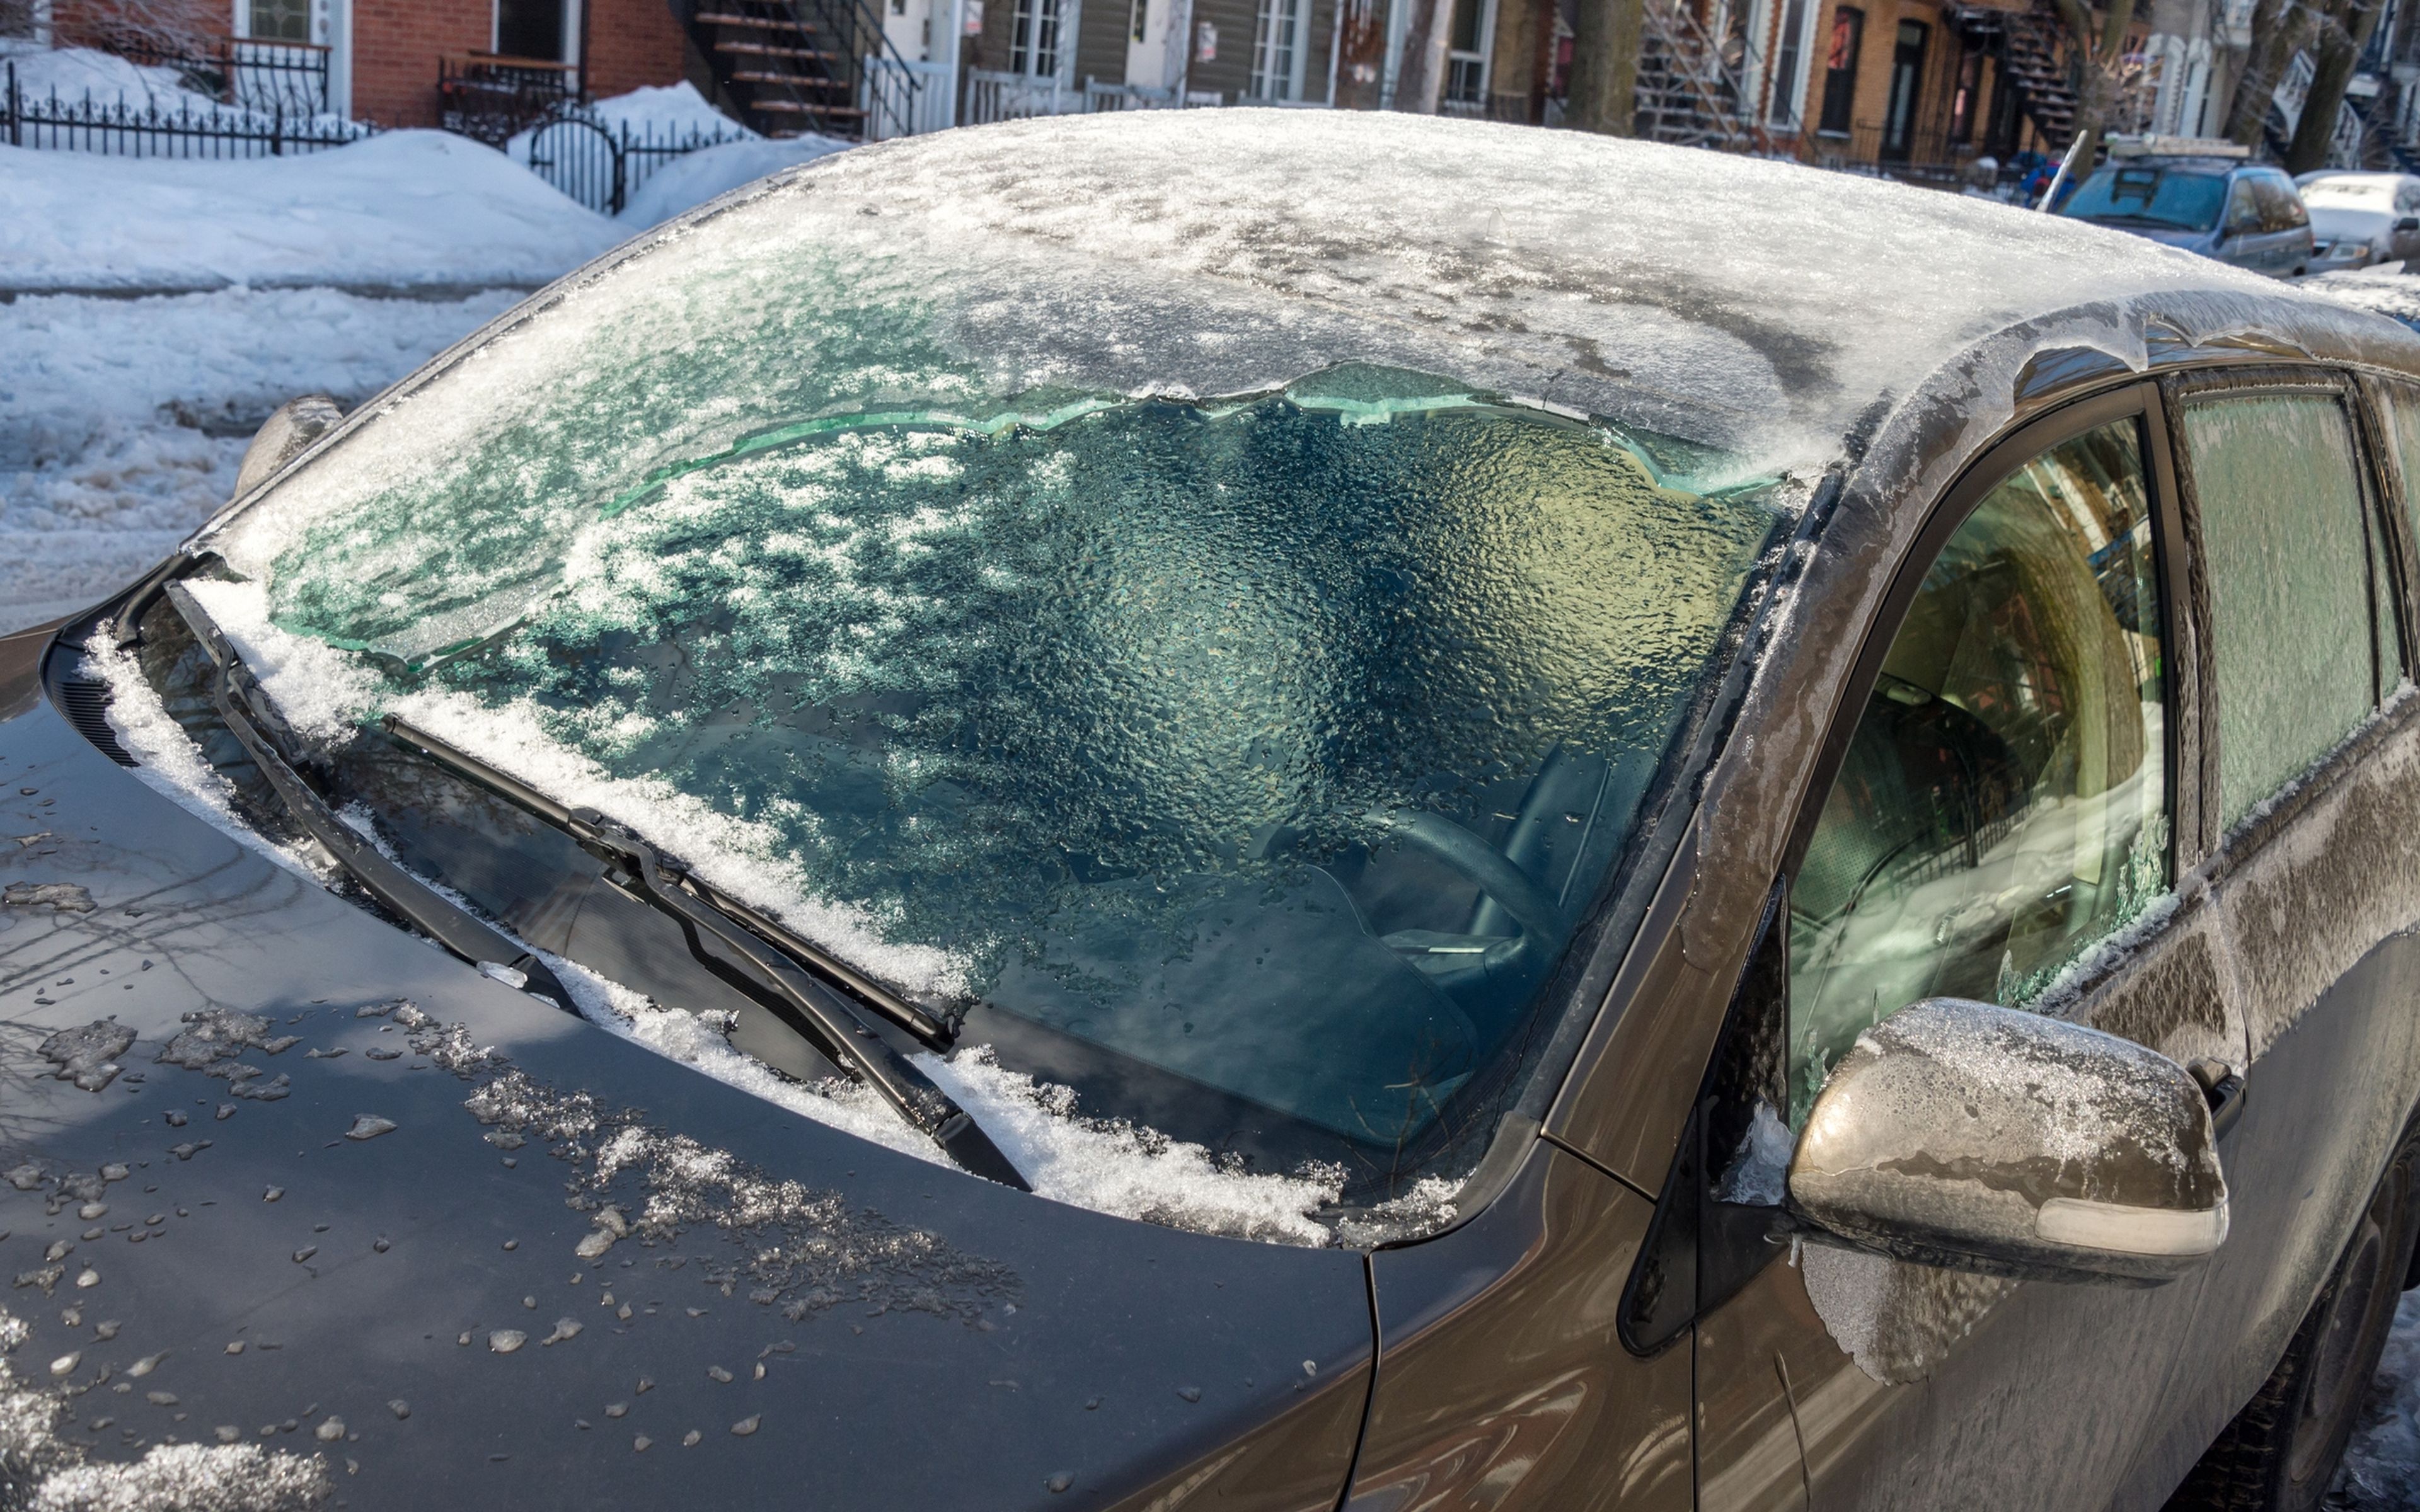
(1762, 305)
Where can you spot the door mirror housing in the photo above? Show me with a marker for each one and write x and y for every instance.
(1985, 1138)
(2409, 223)
(293, 425)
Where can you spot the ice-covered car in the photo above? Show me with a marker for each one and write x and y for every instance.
(1246, 810)
(2360, 220)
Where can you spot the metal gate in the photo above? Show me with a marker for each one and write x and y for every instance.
(582, 159)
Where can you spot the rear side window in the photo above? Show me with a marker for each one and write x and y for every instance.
(2281, 208)
(2279, 485)
(2003, 805)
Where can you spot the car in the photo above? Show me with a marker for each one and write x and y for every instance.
(2360, 220)
(1236, 809)
(2205, 199)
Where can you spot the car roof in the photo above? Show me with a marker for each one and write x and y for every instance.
(1778, 310)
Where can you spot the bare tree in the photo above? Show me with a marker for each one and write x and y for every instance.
(1420, 78)
(172, 26)
(1604, 65)
(2342, 32)
(2096, 49)
(2277, 30)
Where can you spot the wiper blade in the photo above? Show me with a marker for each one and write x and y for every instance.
(253, 720)
(812, 993)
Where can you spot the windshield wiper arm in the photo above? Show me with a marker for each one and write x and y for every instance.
(250, 716)
(811, 992)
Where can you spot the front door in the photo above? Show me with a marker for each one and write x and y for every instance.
(2007, 814)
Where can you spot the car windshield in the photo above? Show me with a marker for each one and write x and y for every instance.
(2180, 200)
(1246, 764)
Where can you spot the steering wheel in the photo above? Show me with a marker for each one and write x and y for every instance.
(1482, 866)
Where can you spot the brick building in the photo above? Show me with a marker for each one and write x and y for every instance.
(385, 56)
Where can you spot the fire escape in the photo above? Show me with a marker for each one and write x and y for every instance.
(2026, 49)
(1691, 91)
(788, 66)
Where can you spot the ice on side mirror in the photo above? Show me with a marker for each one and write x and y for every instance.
(1985, 1138)
(282, 437)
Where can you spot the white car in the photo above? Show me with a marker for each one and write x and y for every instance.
(2362, 219)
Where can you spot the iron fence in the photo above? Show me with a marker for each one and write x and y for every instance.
(602, 165)
(492, 98)
(118, 129)
(267, 78)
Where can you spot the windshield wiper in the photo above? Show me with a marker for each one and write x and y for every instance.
(811, 992)
(255, 725)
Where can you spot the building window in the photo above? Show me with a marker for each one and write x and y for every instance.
(1840, 70)
(280, 20)
(1141, 21)
(1788, 58)
(1034, 38)
(1276, 51)
(1907, 78)
(530, 28)
(1466, 58)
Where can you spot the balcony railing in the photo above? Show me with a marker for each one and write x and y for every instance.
(491, 97)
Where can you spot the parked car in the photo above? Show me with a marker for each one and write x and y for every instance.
(2223, 207)
(1222, 810)
(2360, 220)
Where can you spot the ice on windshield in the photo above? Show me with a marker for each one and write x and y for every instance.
(1265, 752)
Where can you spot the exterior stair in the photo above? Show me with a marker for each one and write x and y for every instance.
(2029, 47)
(1689, 94)
(787, 67)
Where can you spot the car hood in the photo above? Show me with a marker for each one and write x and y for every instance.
(473, 1251)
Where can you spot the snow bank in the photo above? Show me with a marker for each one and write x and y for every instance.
(75, 73)
(695, 178)
(407, 209)
(122, 420)
(669, 113)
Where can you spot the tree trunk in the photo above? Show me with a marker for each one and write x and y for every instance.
(1421, 78)
(1604, 65)
(2341, 39)
(2094, 52)
(2275, 26)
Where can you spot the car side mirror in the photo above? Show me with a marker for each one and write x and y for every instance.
(1985, 1138)
(295, 425)
(2409, 223)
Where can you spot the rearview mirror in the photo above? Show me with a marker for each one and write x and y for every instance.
(2409, 223)
(295, 425)
(1985, 1138)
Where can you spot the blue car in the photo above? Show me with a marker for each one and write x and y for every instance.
(2237, 212)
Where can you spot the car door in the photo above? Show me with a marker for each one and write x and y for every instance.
(2314, 867)
(2016, 787)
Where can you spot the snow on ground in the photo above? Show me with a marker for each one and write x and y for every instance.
(405, 208)
(669, 113)
(2390, 291)
(2381, 1468)
(122, 420)
(695, 178)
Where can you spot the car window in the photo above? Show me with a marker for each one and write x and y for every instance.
(2282, 532)
(2134, 194)
(2003, 804)
(2243, 213)
(2280, 209)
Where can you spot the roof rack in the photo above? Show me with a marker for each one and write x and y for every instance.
(2146, 144)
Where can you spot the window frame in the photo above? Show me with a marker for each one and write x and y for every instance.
(2373, 454)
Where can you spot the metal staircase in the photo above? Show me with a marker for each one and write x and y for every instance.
(2028, 46)
(1689, 94)
(787, 67)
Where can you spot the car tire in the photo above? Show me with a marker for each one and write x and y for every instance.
(2282, 1450)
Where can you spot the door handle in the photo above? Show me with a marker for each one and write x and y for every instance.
(2222, 1085)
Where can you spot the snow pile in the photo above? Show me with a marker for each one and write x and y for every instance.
(405, 209)
(2381, 1465)
(122, 420)
(669, 114)
(78, 73)
(695, 178)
